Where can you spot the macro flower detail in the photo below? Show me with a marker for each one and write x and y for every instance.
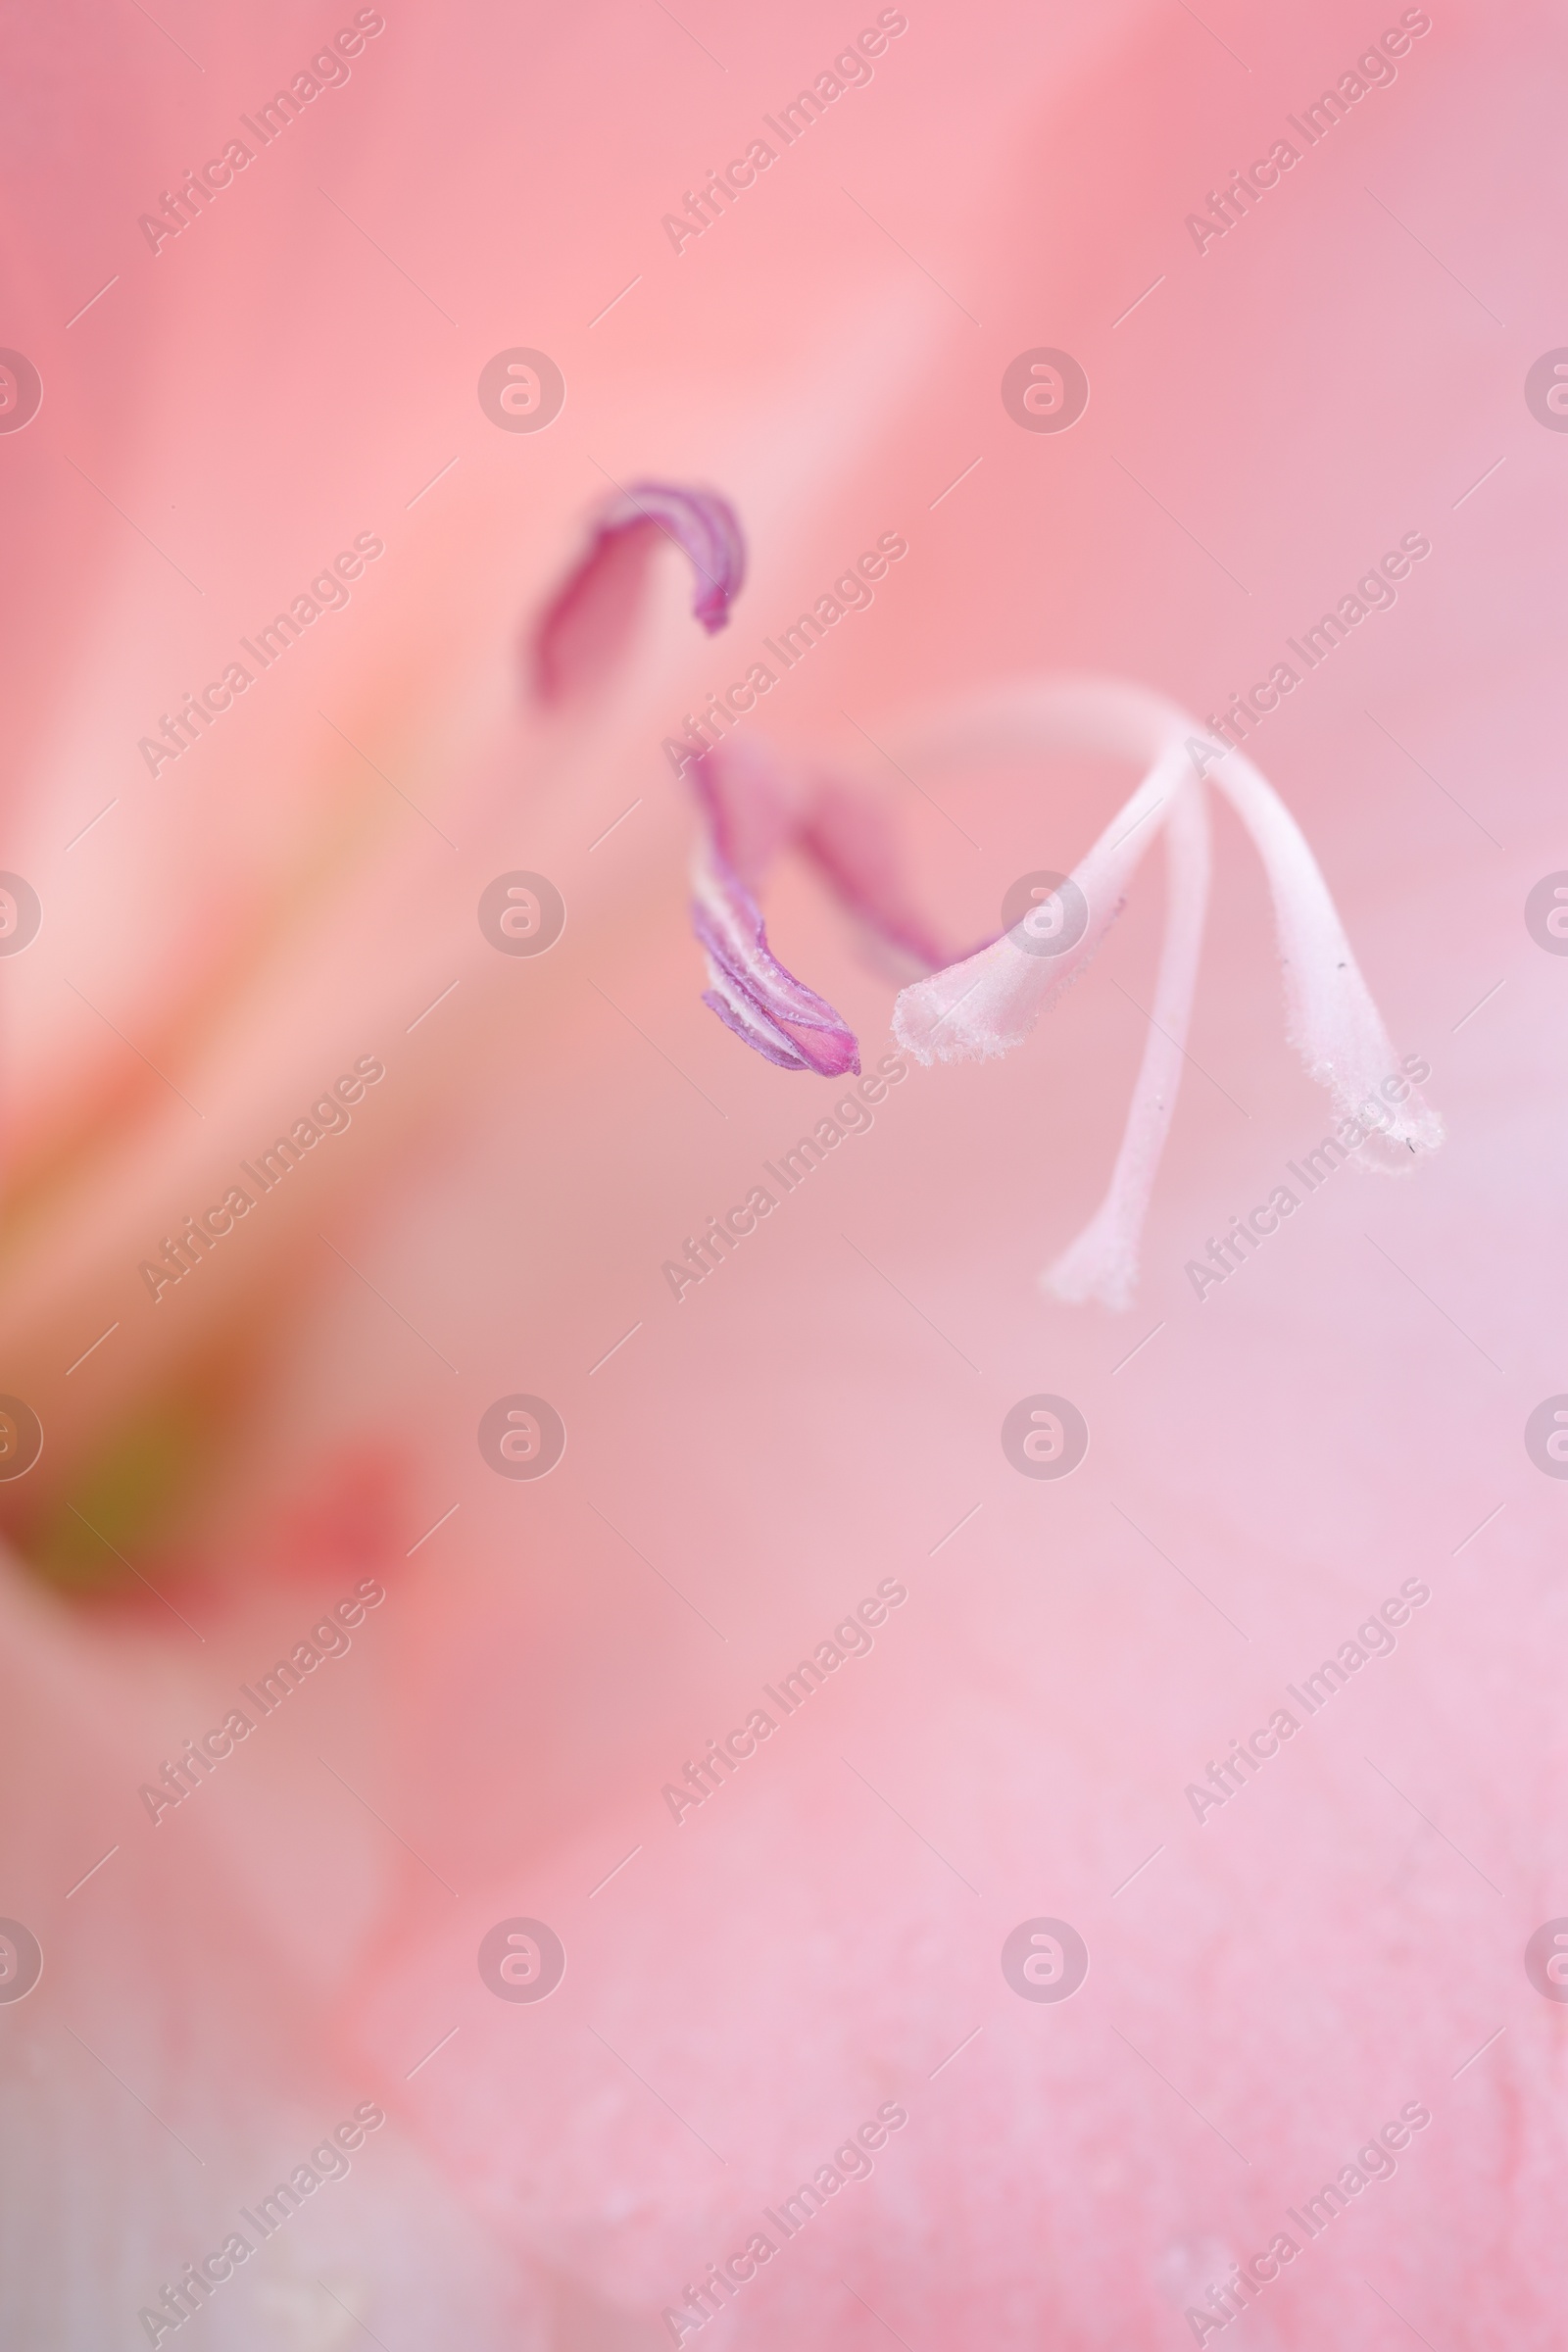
(1002, 2000)
(987, 1001)
(751, 809)
(585, 630)
(788, 1023)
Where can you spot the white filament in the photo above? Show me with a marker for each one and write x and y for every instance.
(1102, 1262)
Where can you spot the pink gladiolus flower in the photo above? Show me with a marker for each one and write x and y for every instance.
(840, 1798)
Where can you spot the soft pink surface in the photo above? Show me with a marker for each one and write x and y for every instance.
(816, 1417)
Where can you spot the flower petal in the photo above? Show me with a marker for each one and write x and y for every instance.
(588, 625)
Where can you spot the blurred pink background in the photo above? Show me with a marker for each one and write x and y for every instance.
(1267, 1987)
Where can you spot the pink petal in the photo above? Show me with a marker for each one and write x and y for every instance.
(588, 626)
